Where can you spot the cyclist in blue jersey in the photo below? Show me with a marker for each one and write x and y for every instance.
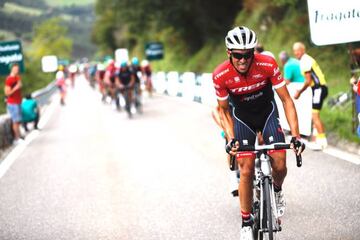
(136, 70)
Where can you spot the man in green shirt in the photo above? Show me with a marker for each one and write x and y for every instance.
(30, 112)
(292, 71)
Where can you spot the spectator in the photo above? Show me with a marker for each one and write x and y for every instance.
(259, 49)
(314, 78)
(356, 87)
(292, 72)
(30, 112)
(13, 99)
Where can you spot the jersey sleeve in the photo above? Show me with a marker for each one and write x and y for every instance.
(276, 78)
(305, 64)
(220, 87)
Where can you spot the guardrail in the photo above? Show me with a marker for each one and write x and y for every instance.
(200, 88)
(188, 85)
(42, 96)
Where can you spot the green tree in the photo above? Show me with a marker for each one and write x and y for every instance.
(50, 39)
(195, 21)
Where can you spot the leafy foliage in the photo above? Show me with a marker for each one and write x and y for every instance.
(193, 21)
(50, 39)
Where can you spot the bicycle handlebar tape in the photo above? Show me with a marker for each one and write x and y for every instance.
(279, 146)
(298, 160)
(233, 163)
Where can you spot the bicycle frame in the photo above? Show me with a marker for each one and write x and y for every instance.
(265, 209)
(263, 171)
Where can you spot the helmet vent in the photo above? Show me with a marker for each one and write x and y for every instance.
(229, 40)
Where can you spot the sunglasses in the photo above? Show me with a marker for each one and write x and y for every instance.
(240, 56)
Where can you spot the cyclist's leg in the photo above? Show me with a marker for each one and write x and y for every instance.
(137, 95)
(246, 136)
(117, 98)
(273, 133)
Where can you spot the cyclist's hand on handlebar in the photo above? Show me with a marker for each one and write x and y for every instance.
(232, 146)
(298, 145)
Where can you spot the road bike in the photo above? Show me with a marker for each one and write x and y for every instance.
(266, 217)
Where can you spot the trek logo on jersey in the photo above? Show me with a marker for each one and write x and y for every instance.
(237, 79)
(264, 64)
(249, 88)
(221, 73)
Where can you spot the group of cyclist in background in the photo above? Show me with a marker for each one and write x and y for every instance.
(114, 80)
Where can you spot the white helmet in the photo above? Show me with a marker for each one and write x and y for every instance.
(241, 38)
(144, 63)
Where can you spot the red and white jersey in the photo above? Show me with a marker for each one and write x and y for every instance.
(250, 92)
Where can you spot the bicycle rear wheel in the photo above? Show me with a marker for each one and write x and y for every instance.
(267, 223)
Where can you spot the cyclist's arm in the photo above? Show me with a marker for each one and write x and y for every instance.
(118, 82)
(290, 110)
(226, 118)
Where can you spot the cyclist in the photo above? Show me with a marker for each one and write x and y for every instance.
(146, 73)
(109, 79)
(125, 82)
(314, 78)
(99, 75)
(234, 176)
(73, 69)
(136, 70)
(61, 84)
(246, 80)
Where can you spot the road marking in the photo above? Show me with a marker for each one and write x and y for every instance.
(16, 152)
(18, 149)
(336, 152)
(350, 157)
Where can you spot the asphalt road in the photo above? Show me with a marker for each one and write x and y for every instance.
(91, 173)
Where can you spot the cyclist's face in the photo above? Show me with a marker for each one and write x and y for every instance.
(241, 59)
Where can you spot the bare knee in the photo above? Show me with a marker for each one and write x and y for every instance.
(246, 167)
(279, 162)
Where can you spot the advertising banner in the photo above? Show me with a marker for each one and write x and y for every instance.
(334, 22)
(10, 52)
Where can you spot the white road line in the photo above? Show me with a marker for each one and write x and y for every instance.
(17, 150)
(339, 154)
(350, 157)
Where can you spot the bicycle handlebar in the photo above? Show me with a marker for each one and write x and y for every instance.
(277, 146)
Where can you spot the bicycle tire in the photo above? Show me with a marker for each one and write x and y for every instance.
(267, 217)
(256, 212)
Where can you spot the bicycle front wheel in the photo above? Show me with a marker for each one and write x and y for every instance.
(267, 224)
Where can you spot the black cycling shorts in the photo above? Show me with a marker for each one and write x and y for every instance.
(246, 133)
(319, 93)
